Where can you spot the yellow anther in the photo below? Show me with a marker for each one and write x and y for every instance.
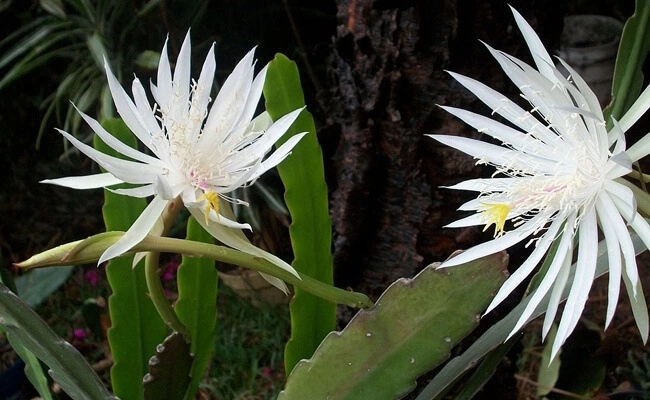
(212, 199)
(496, 214)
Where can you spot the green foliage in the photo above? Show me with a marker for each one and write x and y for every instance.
(248, 350)
(411, 329)
(67, 366)
(306, 196)
(169, 370)
(35, 286)
(494, 337)
(632, 52)
(136, 326)
(80, 33)
(33, 369)
(196, 306)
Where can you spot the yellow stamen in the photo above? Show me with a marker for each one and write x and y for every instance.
(212, 199)
(496, 214)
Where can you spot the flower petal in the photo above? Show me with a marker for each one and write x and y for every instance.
(236, 239)
(495, 245)
(584, 276)
(140, 228)
(85, 182)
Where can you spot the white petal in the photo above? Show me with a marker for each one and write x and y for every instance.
(137, 231)
(556, 293)
(639, 307)
(528, 266)
(613, 257)
(516, 138)
(584, 276)
(141, 191)
(127, 171)
(164, 90)
(85, 182)
(540, 55)
(275, 132)
(144, 108)
(181, 83)
(493, 246)
(484, 185)
(127, 110)
(551, 275)
(220, 219)
(253, 98)
(638, 109)
(236, 239)
(229, 103)
(117, 144)
(497, 155)
(507, 109)
(278, 155)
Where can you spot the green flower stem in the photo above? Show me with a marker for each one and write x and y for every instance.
(157, 294)
(91, 253)
(152, 277)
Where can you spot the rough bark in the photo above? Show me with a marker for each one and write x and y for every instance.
(386, 75)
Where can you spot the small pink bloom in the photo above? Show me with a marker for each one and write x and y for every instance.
(92, 276)
(79, 333)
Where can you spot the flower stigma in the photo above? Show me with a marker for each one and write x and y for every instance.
(212, 198)
(495, 214)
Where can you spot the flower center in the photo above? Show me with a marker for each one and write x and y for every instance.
(212, 199)
(495, 214)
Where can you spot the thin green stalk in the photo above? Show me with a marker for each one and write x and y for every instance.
(157, 294)
(227, 255)
(152, 277)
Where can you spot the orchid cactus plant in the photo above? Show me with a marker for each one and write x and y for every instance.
(564, 184)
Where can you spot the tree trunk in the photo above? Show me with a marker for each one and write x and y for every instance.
(386, 75)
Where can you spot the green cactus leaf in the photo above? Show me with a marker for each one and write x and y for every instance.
(303, 177)
(136, 327)
(67, 366)
(169, 370)
(410, 330)
(196, 306)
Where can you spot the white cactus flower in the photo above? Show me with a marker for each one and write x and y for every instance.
(200, 153)
(557, 179)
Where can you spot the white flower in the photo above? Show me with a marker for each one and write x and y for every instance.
(199, 153)
(557, 178)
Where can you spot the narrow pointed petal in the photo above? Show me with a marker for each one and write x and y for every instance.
(541, 57)
(556, 293)
(278, 283)
(140, 192)
(639, 307)
(85, 182)
(493, 246)
(118, 145)
(527, 267)
(278, 155)
(613, 257)
(127, 171)
(549, 278)
(584, 276)
(164, 90)
(236, 239)
(137, 231)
